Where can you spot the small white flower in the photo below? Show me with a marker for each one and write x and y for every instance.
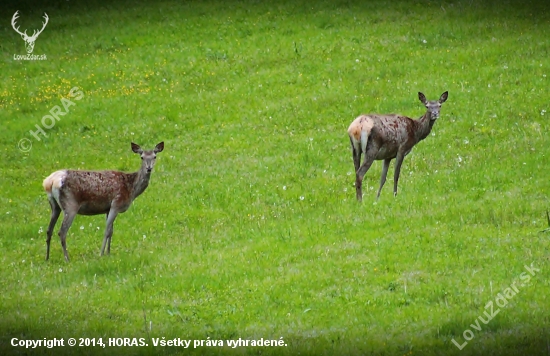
(40, 230)
(357, 61)
(144, 237)
(60, 270)
(349, 173)
(284, 187)
(424, 41)
(459, 159)
(325, 171)
(488, 85)
(543, 112)
(345, 189)
(466, 141)
(302, 198)
(82, 227)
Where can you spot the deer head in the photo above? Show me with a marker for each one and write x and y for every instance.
(433, 106)
(148, 157)
(29, 40)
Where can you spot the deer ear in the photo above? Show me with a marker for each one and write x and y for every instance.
(159, 147)
(136, 148)
(444, 97)
(422, 98)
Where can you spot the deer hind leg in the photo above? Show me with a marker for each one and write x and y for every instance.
(370, 155)
(111, 216)
(56, 211)
(356, 151)
(68, 217)
(384, 174)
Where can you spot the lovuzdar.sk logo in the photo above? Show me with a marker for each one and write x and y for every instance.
(29, 40)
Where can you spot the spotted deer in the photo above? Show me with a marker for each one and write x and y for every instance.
(385, 137)
(95, 192)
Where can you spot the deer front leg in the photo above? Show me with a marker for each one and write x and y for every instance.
(109, 231)
(398, 161)
(69, 215)
(384, 174)
(56, 211)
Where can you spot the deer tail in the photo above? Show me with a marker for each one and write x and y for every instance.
(359, 131)
(54, 181)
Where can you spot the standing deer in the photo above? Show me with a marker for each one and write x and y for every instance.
(385, 137)
(94, 193)
(29, 40)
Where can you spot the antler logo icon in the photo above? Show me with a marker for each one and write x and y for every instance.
(29, 40)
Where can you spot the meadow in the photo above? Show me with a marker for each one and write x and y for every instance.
(250, 228)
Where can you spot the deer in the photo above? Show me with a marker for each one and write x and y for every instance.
(29, 40)
(385, 137)
(78, 192)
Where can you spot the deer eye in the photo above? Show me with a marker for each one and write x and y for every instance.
(142, 158)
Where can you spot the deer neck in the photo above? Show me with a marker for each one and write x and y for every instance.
(141, 182)
(423, 126)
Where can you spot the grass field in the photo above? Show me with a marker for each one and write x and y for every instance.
(250, 228)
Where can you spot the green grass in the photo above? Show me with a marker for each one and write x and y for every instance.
(250, 228)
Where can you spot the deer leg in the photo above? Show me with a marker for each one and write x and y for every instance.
(109, 240)
(56, 211)
(109, 231)
(68, 218)
(398, 161)
(384, 174)
(370, 155)
(356, 151)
